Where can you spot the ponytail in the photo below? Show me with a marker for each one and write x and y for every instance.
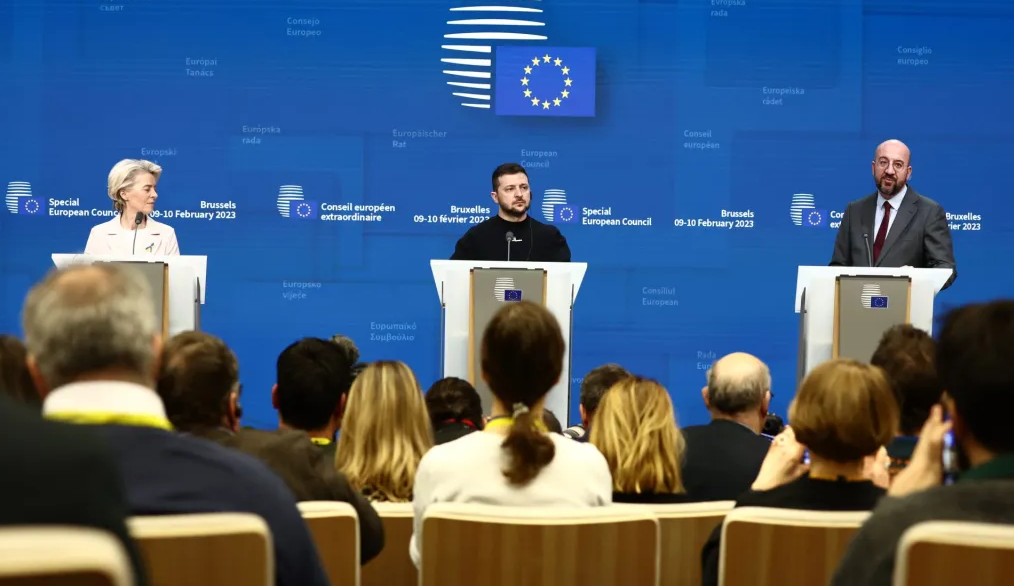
(528, 448)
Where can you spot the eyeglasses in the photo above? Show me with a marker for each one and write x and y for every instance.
(884, 163)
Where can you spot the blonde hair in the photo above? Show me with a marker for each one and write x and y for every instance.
(635, 429)
(844, 411)
(385, 432)
(123, 175)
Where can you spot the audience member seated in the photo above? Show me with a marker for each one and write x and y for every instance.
(60, 474)
(351, 353)
(385, 432)
(93, 345)
(312, 381)
(973, 361)
(905, 354)
(15, 381)
(551, 422)
(635, 429)
(514, 461)
(722, 459)
(199, 385)
(455, 409)
(843, 413)
(593, 386)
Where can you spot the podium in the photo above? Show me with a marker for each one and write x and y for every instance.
(470, 292)
(844, 311)
(178, 284)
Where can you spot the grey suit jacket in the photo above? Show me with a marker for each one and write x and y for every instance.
(919, 236)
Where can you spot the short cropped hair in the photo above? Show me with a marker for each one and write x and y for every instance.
(15, 379)
(453, 399)
(906, 355)
(732, 395)
(844, 410)
(506, 169)
(348, 346)
(974, 363)
(89, 318)
(197, 375)
(595, 384)
(123, 175)
(312, 375)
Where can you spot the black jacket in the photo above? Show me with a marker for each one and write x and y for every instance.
(721, 460)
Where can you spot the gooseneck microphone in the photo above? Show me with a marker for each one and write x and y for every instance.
(137, 224)
(869, 255)
(510, 238)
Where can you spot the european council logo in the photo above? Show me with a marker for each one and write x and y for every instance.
(550, 81)
(291, 203)
(504, 290)
(470, 76)
(804, 213)
(555, 207)
(872, 297)
(21, 201)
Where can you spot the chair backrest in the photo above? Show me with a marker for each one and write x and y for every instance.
(335, 529)
(684, 530)
(950, 552)
(522, 546)
(206, 549)
(69, 556)
(783, 547)
(393, 566)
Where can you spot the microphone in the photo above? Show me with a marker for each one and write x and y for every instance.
(137, 224)
(869, 255)
(510, 238)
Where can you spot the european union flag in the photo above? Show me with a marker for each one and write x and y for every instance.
(815, 218)
(565, 214)
(879, 302)
(304, 210)
(32, 206)
(512, 295)
(545, 81)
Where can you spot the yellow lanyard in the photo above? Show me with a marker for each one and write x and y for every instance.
(509, 421)
(321, 441)
(103, 418)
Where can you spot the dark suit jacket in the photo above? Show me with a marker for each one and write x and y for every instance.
(309, 473)
(919, 236)
(721, 460)
(60, 474)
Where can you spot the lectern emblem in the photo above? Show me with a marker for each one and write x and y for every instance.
(872, 297)
(502, 287)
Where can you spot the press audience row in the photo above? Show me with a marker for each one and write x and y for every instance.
(132, 424)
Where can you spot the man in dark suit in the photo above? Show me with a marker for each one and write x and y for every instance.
(894, 226)
(721, 460)
(58, 474)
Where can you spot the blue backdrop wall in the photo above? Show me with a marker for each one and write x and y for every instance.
(390, 115)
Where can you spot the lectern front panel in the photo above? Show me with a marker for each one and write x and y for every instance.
(866, 307)
(157, 276)
(490, 289)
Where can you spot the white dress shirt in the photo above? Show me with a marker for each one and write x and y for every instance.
(154, 239)
(895, 205)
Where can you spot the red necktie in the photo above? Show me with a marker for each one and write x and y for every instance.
(882, 232)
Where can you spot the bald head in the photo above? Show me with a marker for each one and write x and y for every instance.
(892, 166)
(738, 382)
(87, 319)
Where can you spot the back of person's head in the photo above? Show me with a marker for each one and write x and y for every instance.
(15, 380)
(595, 384)
(312, 375)
(551, 422)
(452, 399)
(635, 429)
(906, 355)
(738, 383)
(198, 379)
(522, 358)
(973, 361)
(385, 432)
(91, 319)
(844, 411)
(348, 347)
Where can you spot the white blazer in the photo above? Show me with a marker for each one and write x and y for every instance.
(155, 239)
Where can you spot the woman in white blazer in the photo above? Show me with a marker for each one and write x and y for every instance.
(131, 231)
